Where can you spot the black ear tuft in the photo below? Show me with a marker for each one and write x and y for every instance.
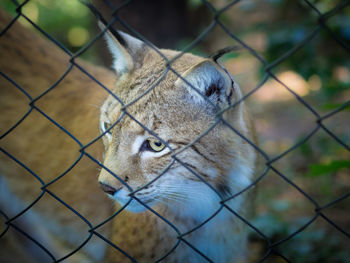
(100, 18)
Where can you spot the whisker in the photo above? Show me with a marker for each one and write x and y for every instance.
(94, 105)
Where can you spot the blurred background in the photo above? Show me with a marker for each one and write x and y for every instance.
(318, 72)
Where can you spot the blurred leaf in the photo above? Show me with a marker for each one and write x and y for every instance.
(322, 169)
(305, 149)
(194, 3)
(9, 6)
(333, 106)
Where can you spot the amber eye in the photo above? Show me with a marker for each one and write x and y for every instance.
(155, 145)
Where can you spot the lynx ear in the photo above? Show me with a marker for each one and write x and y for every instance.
(128, 52)
(211, 81)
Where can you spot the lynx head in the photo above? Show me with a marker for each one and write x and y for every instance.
(162, 131)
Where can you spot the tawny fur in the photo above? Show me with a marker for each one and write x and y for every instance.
(36, 64)
(178, 116)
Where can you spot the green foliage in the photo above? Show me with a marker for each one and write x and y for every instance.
(68, 21)
(324, 169)
(333, 106)
(295, 22)
(313, 244)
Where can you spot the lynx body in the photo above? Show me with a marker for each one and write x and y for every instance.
(169, 147)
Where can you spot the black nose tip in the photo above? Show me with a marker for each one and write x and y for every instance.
(108, 189)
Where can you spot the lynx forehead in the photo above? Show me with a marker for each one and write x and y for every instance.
(167, 146)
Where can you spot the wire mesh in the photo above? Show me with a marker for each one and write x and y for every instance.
(272, 247)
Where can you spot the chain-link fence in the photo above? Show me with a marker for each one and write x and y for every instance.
(45, 188)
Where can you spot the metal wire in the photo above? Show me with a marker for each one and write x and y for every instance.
(217, 21)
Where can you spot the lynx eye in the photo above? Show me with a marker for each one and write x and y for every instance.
(154, 145)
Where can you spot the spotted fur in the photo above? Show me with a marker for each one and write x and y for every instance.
(172, 110)
(203, 162)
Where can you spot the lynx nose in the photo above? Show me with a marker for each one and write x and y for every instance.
(109, 189)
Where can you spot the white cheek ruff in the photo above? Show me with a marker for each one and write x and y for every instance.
(191, 199)
(195, 199)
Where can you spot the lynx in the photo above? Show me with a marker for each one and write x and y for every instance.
(173, 142)
(170, 159)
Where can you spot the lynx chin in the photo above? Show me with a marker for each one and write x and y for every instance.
(162, 158)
